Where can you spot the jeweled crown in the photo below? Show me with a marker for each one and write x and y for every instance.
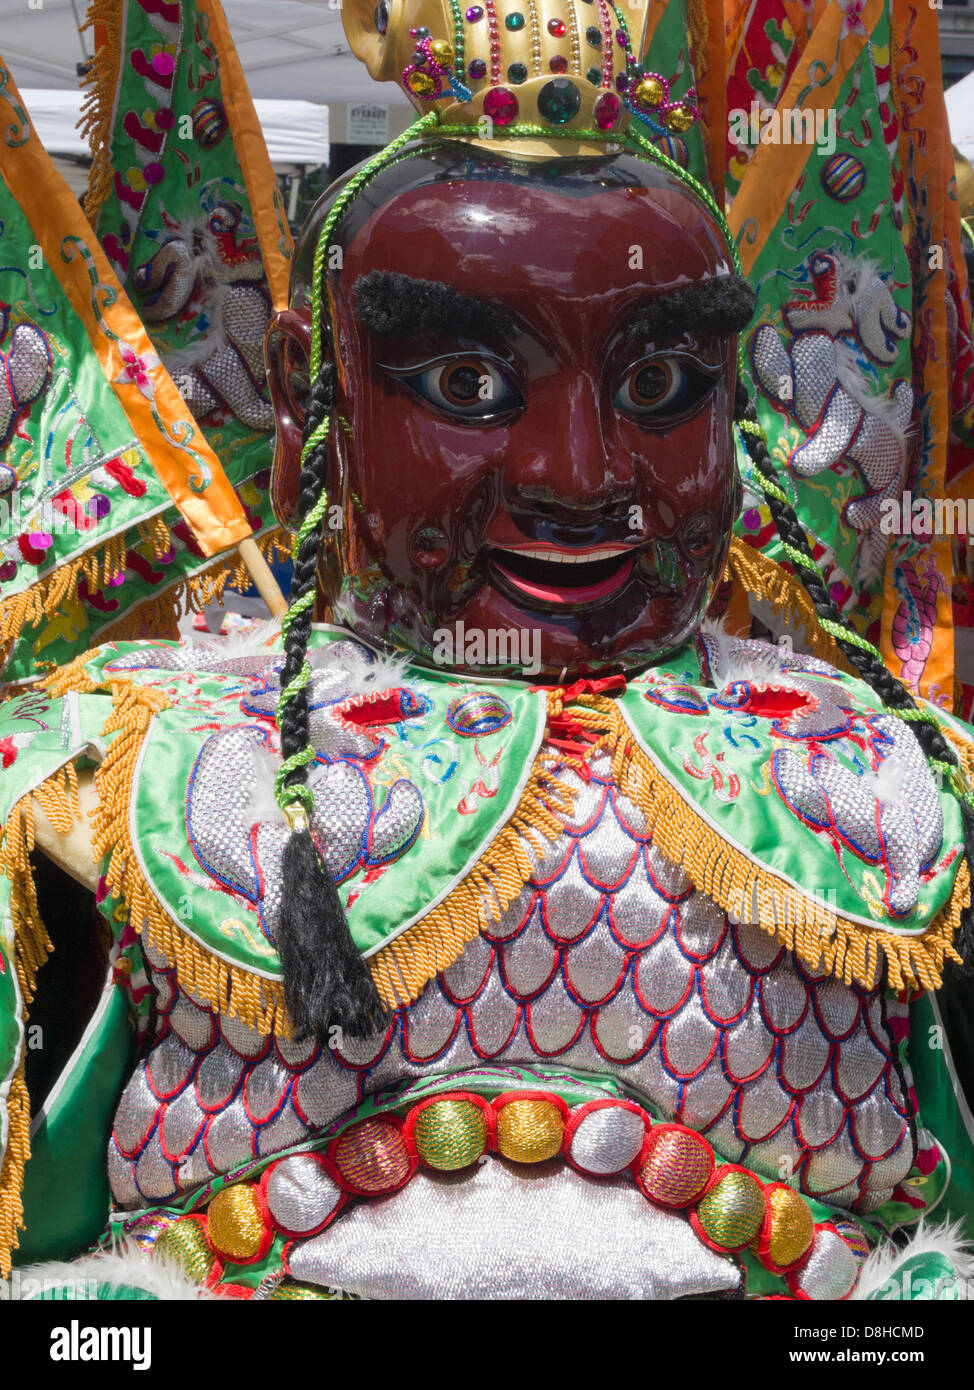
(561, 66)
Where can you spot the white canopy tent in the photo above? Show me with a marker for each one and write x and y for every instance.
(290, 49)
(960, 114)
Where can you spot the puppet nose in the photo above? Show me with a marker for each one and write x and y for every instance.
(561, 451)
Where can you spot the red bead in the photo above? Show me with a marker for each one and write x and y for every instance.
(501, 106)
(558, 64)
(557, 27)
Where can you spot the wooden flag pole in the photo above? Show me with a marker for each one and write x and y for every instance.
(263, 577)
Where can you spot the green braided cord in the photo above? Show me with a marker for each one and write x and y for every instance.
(286, 795)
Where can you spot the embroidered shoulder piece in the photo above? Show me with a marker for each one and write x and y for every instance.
(792, 799)
(428, 796)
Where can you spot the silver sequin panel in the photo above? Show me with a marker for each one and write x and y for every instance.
(496, 1232)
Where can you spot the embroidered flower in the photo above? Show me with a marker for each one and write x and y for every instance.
(852, 23)
(11, 746)
(136, 370)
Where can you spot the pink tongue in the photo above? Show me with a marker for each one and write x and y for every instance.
(585, 593)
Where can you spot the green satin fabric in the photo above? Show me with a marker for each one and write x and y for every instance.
(66, 1194)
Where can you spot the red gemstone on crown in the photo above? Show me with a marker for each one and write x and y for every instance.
(557, 27)
(501, 106)
(606, 111)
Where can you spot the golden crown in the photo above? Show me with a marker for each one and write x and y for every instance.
(554, 65)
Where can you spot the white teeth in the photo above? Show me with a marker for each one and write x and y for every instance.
(562, 557)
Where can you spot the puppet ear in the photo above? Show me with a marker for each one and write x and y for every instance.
(373, 29)
(287, 348)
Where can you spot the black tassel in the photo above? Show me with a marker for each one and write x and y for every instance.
(327, 984)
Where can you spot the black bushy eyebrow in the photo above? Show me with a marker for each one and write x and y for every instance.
(394, 305)
(722, 306)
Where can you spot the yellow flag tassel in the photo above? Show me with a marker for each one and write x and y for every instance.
(105, 17)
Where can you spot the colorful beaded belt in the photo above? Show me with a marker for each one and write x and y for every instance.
(300, 1194)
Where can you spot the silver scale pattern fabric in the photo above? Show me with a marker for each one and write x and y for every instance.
(608, 962)
(500, 1232)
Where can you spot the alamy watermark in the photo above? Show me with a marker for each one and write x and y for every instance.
(786, 125)
(923, 516)
(48, 518)
(494, 646)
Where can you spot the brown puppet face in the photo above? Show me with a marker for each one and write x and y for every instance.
(532, 462)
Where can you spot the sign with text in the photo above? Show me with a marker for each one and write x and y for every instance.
(367, 123)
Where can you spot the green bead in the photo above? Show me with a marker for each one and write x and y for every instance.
(594, 76)
(517, 72)
(515, 20)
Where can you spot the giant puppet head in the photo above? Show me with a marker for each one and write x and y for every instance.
(535, 349)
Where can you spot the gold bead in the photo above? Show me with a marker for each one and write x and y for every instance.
(529, 1131)
(680, 118)
(420, 83)
(442, 52)
(792, 1227)
(450, 1134)
(649, 92)
(235, 1222)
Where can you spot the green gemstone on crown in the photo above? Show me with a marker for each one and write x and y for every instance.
(559, 100)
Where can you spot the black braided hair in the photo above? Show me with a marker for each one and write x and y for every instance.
(326, 982)
(891, 691)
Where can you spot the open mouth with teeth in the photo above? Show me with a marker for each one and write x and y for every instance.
(561, 576)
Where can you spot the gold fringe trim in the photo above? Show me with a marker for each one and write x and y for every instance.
(159, 617)
(43, 600)
(258, 1003)
(100, 82)
(58, 798)
(963, 747)
(156, 616)
(849, 951)
(71, 677)
(759, 575)
(698, 30)
(12, 1172)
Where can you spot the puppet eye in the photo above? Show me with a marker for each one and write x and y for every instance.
(470, 388)
(663, 386)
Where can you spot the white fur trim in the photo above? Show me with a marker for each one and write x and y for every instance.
(884, 1264)
(760, 664)
(127, 1266)
(251, 639)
